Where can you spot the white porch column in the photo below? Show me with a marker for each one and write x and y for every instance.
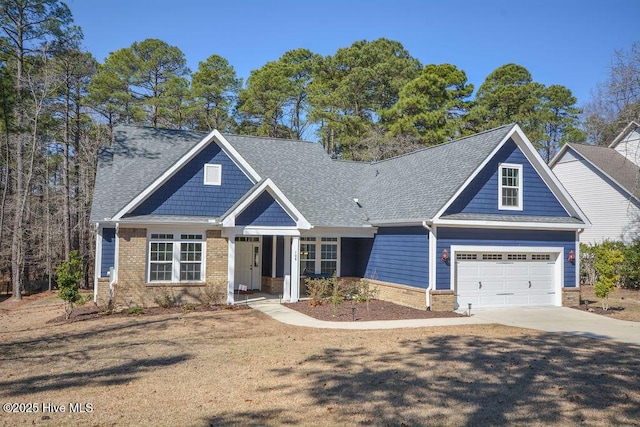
(295, 269)
(97, 262)
(231, 266)
(286, 291)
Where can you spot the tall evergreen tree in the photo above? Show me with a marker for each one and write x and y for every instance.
(431, 106)
(214, 88)
(353, 87)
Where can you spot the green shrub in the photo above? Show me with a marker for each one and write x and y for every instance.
(608, 258)
(630, 268)
(69, 276)
(337, 294)
(135, 311)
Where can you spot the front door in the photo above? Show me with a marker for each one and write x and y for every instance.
(248, 271)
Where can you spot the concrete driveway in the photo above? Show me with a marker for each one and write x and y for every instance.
(564, 320)
(549, 319)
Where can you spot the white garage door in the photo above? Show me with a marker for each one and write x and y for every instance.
(505, 279)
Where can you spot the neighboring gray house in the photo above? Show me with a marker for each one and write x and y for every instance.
(479, 220)
(605, 182)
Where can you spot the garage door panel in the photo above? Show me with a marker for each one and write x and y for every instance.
(517, 285)
(512, 281)
(492, 300)
(517, 300)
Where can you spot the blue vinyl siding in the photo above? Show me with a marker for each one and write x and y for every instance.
(267, 251)
(108, 251)
(265, 211)
(280, 256)
(185, 193)
(400, 255)
(491, 237)
(481, 195)
(354, 254)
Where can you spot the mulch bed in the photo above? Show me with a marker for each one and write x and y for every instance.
(597, 309)
(377, 310)
(90, 311)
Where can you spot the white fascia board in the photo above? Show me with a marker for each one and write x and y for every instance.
(173, 225)
(213, 137)
(260, 231)
(399, 223)
(559, 155)
(278, 195)
(509, 225)
(622, 135)
(475, 173)
(365, 232)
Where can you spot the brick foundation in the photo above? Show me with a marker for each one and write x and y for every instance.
(570, 297)
(442, 300)
(272, 285)
(103, 294)
(132, 289)
(401, 294)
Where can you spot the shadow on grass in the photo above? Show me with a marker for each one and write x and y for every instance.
(544, 379)
(114, 375)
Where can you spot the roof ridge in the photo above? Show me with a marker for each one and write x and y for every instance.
(444, 143)
(271, 138)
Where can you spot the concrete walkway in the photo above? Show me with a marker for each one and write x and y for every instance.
(549, 319)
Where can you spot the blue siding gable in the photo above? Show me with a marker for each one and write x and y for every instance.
(265, 211)
(400, 255)
(492, 237)
(108, 251)
(185, 193)
(481, 195)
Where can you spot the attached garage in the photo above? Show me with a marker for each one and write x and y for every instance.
(507, 277)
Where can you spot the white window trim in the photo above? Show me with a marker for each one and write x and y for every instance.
(212, 174)
(175, 266)
(318, 259)
(520, 187)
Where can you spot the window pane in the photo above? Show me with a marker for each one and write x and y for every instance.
(510, 197)
(307, 267)
(328, 267)
(160, 271)
(190, 272)
(329, 251)
(191, 252)
(161, 251)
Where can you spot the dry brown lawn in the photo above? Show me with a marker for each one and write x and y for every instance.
(241, 368)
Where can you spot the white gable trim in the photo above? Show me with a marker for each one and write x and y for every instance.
(540, 167)
(628, 129)
(269, 186)
(213, 137)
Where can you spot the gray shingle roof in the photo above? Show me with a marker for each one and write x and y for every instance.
(512, 218)
(614, 164)
(417, 185)
(137, 157)
(409, 187)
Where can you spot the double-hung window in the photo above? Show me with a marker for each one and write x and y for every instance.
(510, 187)
(176, 257)
(319, 255)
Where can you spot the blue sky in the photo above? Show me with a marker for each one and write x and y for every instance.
(560, 42)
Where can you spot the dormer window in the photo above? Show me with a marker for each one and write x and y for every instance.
(510, 187)
(212, 174)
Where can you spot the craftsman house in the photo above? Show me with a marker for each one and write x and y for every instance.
(605, 182)
(480, 220)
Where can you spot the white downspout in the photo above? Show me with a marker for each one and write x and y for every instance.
(432, 266)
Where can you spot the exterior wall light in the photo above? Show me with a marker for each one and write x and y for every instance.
(572, 256)
(445, 255)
